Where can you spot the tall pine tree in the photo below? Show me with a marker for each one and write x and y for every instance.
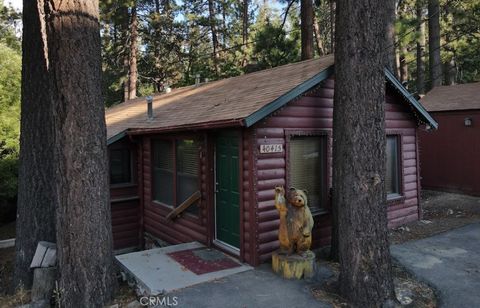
(359, 155)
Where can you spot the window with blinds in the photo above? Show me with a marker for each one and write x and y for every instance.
(163, 161)
(307, 168)
(392, 178)
(176, 164)
(187, 171)
(120, 166)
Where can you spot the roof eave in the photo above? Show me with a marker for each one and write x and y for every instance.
(116, 137)
(287, 97)
(198, 126)
(274, 106)
(412, 100)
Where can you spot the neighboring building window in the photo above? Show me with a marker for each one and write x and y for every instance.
(176, 166)
(393, 172)
(120, 166)
(307, 168)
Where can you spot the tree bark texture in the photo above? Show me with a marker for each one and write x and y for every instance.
(434, 43)
(84, 234)
(35, 207)
(403, 64)
(318, 36)
(359, 155)
(245, 30)
(420, 82)
(332, 25)
(223, 5)
(306, 16)
(213, 29)
(390, 6)
(132, 70)
(245, 21)
(450, 69)
(450, 72)
(126, 77)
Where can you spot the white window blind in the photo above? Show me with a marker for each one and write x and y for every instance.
(307, 159)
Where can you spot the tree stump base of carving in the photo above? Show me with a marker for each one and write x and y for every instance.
(294, 266)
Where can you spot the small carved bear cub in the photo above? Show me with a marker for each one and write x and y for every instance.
(296, 221)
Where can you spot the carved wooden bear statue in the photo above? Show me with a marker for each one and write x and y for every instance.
(296, 221)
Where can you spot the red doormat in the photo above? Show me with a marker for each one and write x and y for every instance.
(203, 260)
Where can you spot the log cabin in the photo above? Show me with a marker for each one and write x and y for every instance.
(200, 163)
(449, 155)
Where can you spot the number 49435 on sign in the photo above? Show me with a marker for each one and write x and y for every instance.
(271, 148)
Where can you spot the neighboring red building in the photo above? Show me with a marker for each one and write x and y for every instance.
(225, 145)
(450, 156)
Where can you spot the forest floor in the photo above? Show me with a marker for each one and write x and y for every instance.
(7, 231)
(442, 212)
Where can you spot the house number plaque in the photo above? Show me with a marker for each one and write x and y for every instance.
(271, 148)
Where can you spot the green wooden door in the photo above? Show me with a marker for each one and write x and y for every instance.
(227, 196)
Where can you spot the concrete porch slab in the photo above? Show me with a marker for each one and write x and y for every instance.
(156, 273)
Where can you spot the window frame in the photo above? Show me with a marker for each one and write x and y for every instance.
(326, 134)
(399, 197)
(129, 148)
(173, 141)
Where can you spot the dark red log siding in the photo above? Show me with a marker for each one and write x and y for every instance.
(185, 228)
(313, 113)
(125, 204)
(449, 155)
(249, 213)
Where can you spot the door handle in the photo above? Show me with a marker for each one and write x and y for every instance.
(216, 187)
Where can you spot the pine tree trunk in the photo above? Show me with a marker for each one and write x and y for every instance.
(390, 6)
(306, 14)
(318, 36)
(332, 26)
(126, 78)
(403, 64)
(450, 72)
(434, 43)
(334, 245)
(213, 29)
(133, 73)
(420, 50)
(224, 22)
(35, 207)
(244, 31)
(359, 153)
(84, 234)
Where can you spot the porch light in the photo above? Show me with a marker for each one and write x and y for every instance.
(468, 122)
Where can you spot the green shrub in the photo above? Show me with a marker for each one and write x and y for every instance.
(8, 178)
(10, 85)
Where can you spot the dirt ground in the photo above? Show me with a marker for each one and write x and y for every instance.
(7, 256)
(7, 231)
(409, 291)
(441, 212)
